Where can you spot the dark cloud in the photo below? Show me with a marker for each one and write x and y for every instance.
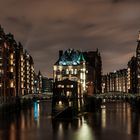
(46, 26)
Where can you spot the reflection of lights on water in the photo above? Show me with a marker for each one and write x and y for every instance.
(129, 121)
(60, 128)
(103, 118)
(12, 135)
(36, 113)
(22, 122)
(84, 133)
(36, 110)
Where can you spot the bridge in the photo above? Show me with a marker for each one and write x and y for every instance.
(116, 96)
(36, 96)
(94, 102)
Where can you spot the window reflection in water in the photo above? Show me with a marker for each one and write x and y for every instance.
(78, 129)
(36, 110)
(103, 117)
(36, 113)
(33, 122)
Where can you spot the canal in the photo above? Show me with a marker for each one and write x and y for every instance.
(115, 121)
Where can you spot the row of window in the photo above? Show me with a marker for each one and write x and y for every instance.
(67, 86)
(67, 71)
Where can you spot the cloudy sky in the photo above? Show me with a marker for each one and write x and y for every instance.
(46, 26)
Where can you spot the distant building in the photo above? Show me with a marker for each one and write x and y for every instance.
(43, 84)
(104, 84)
(47, 85)
(39, 76)
(125, 80)
(115, 81)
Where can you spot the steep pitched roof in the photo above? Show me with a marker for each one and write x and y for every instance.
(71, 57)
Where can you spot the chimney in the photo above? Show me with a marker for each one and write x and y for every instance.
(60, 53)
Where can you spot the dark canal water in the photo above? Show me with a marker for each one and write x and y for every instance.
(116, 121)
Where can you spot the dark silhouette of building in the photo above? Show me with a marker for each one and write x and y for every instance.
(47, 85)
(132, 75)
(138, 64)
(65, 95)
(94, 69)
(134, 71)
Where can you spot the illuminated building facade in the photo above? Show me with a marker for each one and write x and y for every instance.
(121, 80)
(71, 65)
(16, 68)
(125, 80)
(115, 81)
(83, 67)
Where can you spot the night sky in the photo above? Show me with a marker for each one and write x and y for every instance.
(46, 26)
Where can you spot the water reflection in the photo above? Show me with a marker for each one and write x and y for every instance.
(113, 121)
(36, 110)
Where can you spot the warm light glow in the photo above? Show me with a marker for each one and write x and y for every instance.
(104, 118)
(84, 133)
(60, 103)
(54, 68)
(11, 84)
(11, 69)
(11, 62)
(11, 56)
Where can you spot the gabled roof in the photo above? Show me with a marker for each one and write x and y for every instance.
(71, 57)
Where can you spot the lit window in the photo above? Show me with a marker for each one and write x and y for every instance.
(67, 71)
(11, 84)
(11, 69)
(71, 71)
(0, 70)
(11, 62)
(71, 86)
(68, 93)
(12, 56)
(75, 71)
